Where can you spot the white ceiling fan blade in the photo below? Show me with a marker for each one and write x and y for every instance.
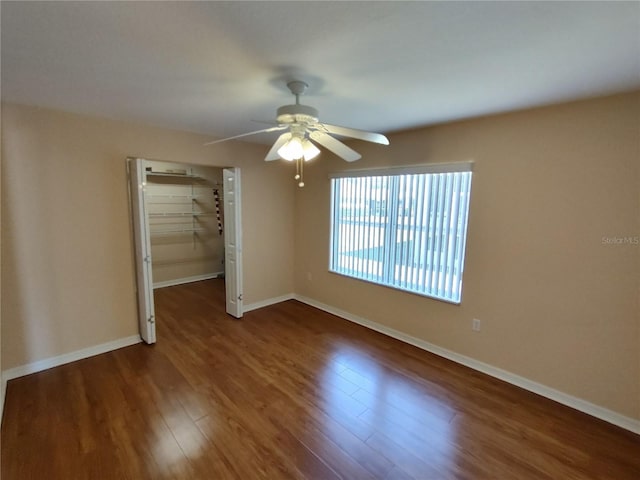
(264, 130)
(336, 146)
(273, 153)
(353, 133)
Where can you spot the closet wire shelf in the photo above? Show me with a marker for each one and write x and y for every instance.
(178, 231)
(179, 214)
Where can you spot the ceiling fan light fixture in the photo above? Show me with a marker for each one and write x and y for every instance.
(291, 150)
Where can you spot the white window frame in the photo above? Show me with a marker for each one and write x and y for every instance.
(427, 257)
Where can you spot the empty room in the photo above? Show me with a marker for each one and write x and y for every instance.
(321, 240)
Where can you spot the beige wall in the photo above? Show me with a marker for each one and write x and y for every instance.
(557, 306)
(67, 272)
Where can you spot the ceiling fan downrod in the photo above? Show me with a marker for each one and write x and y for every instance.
(297, 88)
(297, 113)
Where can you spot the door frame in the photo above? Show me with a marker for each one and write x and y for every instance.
(139, 217)
(136, 177)
(232, 204)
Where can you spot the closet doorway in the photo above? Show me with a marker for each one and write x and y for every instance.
(187, 227)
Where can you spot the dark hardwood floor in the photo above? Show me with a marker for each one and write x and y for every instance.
(290, 392)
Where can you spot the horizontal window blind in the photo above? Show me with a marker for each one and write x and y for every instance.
(402, 230)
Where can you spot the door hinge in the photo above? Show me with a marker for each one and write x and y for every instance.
(147, 259)
(240, 297)
(151, 320)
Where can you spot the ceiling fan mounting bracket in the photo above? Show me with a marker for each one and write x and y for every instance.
(297, 87)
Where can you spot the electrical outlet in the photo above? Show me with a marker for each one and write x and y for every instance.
(475, 325)
(309, 277)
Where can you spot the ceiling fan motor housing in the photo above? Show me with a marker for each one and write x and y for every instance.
(297, 114)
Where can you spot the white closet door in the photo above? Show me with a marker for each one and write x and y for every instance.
(232, 242)
(146, 312)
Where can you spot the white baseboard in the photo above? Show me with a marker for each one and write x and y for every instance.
(602, 413)
(180, 281)
(51, 362)
(267, 302)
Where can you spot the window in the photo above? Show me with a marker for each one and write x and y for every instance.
(404, 228)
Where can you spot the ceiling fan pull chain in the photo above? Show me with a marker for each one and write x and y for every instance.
(300, 163)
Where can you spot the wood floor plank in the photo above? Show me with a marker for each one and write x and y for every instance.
(407, 462)
(290, 392)
(323, 433)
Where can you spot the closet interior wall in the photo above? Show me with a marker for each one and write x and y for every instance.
(187, 242)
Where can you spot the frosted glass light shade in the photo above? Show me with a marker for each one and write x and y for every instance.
(310, 150)
(292, 149)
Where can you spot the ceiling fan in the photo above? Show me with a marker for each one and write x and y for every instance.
(303, 129)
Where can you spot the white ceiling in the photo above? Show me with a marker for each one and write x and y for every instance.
(217, 67)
